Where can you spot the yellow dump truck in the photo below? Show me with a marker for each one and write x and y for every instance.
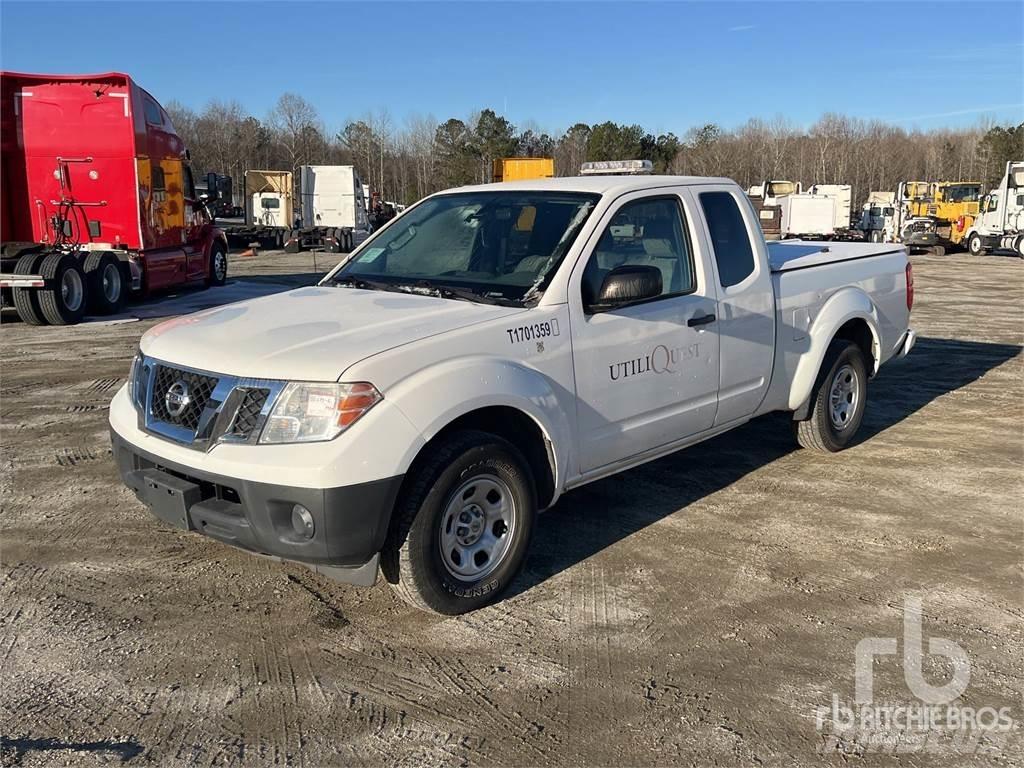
(520, 168)
(951, 207)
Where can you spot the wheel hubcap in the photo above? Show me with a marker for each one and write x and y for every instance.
(477, 527)
(843, 397)
(219, 265)
(111, 283)
(71, 290)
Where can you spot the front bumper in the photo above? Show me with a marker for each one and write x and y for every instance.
(922, 239)
(350, 522)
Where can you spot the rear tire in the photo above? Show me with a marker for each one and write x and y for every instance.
(26, 300)
(107, 286)
(66, 296)
(840, 397)
(462, 526)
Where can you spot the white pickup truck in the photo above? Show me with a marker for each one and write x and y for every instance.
(487, 351)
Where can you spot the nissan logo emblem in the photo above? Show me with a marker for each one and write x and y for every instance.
(177, 398)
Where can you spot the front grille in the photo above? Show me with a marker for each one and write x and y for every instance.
(186, 385)
(247, 416)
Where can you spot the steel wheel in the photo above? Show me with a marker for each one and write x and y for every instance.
(72, 290)
(477, 527)
(220, 265)
(843, 397)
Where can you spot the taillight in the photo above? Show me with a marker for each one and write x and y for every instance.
(910, 287)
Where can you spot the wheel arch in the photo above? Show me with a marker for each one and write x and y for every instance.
(524, 410)
(849, 314)
(518, 428)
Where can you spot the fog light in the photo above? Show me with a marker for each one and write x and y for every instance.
(302, 522)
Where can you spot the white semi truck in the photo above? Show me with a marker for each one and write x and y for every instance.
(331, 213)
(489, 350)
(999, 225)
(333, 205)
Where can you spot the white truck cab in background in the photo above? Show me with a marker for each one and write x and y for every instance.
(487, 351)
(1000, 221)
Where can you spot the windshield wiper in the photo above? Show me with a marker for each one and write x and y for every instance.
(466, 294)
(363, 284)
(425, 287)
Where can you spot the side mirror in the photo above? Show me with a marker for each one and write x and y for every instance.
(625, 285)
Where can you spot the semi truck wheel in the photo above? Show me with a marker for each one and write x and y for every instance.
(974, 245)
(218, 273)
(462, 525)
(64, 299)
(26, 300)
(838, 402)
(107, 286)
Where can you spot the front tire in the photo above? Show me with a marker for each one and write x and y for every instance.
(974, 245)
(107, 284)
(462, 526)
(839, 400)
(218, 273)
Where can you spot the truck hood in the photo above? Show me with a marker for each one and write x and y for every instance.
(310, 334)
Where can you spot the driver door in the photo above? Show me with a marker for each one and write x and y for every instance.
(646, 373)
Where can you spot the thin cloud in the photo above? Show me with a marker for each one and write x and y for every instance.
(957, 112)
(742, 27)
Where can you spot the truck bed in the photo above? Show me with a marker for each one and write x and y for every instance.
(787, 255)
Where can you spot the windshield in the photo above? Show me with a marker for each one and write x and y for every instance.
(963, 193)
(496, 245)
(781, 188)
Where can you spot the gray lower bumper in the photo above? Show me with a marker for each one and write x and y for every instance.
(350, 523)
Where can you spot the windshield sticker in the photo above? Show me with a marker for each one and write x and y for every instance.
(534, 332)
(659, 360)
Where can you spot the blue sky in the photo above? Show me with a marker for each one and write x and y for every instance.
(667, 66)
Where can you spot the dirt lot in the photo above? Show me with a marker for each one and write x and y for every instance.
(694, 611)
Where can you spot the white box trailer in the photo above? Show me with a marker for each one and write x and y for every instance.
(843, 196)
(333, 207)
(807, 216)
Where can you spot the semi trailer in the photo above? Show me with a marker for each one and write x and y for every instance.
(522, 168)
(98, 199)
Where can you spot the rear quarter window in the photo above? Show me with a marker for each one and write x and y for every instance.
(733, 253)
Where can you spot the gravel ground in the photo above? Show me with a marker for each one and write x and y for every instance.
(697, 610)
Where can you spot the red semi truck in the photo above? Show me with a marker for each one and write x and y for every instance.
(98, 199)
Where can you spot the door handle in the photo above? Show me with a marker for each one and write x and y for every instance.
(702, 320)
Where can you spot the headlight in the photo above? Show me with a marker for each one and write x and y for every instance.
(137, 381)
(306, 413)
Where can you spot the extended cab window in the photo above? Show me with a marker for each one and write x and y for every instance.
(729, 237)
(646, 232)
